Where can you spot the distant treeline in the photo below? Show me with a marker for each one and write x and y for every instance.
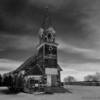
(83, 83)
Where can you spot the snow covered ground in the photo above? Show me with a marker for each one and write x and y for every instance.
(78, 93)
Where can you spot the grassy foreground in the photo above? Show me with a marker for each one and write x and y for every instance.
(78, 93)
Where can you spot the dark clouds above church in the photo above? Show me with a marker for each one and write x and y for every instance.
(22, 16)
(76, 23)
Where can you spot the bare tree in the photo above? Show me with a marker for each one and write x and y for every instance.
(69, 79)
(98, 76)
(91, 79)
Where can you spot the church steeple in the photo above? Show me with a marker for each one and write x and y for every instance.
(47, 32)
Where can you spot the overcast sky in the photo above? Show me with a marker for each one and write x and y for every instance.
(77, 25)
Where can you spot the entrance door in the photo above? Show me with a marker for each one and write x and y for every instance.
(54, 80)
(51, 76)
(49, 82)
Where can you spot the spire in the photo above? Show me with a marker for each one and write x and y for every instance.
(47, 32)
(46, 20)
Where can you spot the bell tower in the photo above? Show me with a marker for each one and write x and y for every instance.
(47, 47)
(47, 50)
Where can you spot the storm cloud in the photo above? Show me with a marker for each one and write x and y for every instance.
(76, 23)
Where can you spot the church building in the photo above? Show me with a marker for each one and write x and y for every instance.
(43, 67)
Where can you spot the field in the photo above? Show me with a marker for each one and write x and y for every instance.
(77, 93)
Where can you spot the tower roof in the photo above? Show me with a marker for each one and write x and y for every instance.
(46, 19)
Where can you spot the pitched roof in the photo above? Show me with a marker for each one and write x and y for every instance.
(31, 61)
(59, 68)
(27, 63)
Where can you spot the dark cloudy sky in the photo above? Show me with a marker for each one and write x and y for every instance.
(77, 24)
